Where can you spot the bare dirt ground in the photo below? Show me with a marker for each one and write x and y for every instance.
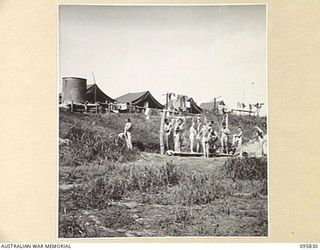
(241, 211)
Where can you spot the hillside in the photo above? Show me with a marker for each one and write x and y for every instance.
(146, 132)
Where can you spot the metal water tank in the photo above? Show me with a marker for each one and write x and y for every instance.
(74, 89)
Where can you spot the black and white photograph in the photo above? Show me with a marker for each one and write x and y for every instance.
(162, 121)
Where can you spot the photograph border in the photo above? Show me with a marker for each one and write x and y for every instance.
(154, 238)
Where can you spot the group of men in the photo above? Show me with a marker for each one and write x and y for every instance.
(202, 136)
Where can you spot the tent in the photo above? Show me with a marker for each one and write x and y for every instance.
(95, 94)
(140, 99)
(194, 108)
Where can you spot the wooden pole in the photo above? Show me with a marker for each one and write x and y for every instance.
(161, 131)
(95, 88)
(167, 99)
(227, 121)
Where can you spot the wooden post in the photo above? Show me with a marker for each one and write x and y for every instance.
(95, 88)
(161, 132)
(96, 108)
(227, 121)
(167, 100)
(72, 107)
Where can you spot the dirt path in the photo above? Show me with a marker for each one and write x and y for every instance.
(206, 164)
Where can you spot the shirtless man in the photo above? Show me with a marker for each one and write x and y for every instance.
(192, 136)
(237, 141)
(213, 135)
(177, 133)
(262, 138)
(224, 138)
(167, 130)
(127, 132)
(204, 133)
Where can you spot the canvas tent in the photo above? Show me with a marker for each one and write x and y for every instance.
(140, 99)
(193, 107)
(95, 94)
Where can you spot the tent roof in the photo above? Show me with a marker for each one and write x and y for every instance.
(100, 95)
(194, 108)
(138, 97)
(131, 97)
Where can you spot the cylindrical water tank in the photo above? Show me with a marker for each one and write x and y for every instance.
(74, 89)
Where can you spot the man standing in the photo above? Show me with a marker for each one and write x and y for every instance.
(262, 138)
(127, 132)
(212, 136)
(237, 141)
(204, 132)
(224, 138)
(192, 136)
(177, 135)
(167, 132)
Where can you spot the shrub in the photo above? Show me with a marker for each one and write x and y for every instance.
(247, 168)
(198, 188)
(70, 226)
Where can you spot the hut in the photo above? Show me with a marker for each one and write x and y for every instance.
(210, 106)
(95, 94)
(139, 99)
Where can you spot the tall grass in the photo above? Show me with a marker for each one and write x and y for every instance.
(247, 168)
(164, 184)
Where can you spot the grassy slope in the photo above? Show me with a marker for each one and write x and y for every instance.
(109, 125)
(146, 132)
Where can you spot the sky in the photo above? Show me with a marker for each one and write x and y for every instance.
(199, 51)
